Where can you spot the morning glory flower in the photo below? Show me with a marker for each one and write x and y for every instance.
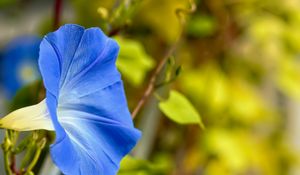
(19, 63)
(85, 102)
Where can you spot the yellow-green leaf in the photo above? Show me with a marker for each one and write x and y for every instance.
(130, 165)
(133, 62)
(179, 109)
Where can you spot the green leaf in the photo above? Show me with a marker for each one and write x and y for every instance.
(28, 95)
(178, 71)
(179, 109)
(130, 165)
(201, 26)
(133, 62)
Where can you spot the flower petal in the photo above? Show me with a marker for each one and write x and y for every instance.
(74, 54)
(98, 144)
(108, 103)
(86, 101)
(105, 127)
(29, 118)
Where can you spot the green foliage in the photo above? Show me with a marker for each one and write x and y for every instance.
(28, 95)
(289, 77)
(133, 62)
(122, 15)
(201, 26)
(130, 166)
(277, 47)
(160, 17)
(5, 3)
(218, 94)
(241, 67)
(179, 109)
(86, 13)
(235, 151)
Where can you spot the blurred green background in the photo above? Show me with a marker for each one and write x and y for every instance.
(240, 78)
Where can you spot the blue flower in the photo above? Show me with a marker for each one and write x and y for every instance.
(19, 63)
(85, 102)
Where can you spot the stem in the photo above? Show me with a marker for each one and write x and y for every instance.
(13, 165)
(34, 160)
(37, 154)
(6, 146)
(22, 146)
(57, 13)
(7, 162)
(114, 32)
(30, 151)
(151, 86)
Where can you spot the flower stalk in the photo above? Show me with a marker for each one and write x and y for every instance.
(40, 145)
(10, 140)
(34, 144)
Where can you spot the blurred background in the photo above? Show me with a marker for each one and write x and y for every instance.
(235, 69)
